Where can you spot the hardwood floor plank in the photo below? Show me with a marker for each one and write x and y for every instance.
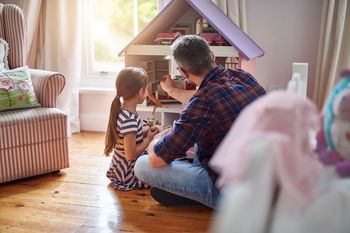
(80, 199)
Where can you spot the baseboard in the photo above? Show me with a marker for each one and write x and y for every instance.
(93, 122)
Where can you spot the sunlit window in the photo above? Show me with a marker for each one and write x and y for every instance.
(113, 24)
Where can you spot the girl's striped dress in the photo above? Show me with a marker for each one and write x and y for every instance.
(121, 171)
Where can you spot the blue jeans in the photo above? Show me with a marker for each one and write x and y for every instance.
(182, 178)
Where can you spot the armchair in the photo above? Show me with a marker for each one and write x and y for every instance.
(33, 141)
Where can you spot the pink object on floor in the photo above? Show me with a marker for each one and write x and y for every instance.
(283, 121)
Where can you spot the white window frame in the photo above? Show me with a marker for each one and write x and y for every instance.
(94, 78)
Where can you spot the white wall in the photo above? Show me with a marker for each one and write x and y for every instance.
(288, 31)
(94, 109)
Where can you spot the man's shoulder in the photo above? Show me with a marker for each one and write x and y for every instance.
(202, 93)
(218, 82)
(242, 74)
(236, 73)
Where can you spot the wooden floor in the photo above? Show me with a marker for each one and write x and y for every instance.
(79, 199)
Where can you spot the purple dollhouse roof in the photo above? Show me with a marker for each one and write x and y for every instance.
(175, 9)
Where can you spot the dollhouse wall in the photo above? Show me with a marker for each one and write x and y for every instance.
(177, 13)
(136, 55)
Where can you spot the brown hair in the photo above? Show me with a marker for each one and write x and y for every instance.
(128, 84)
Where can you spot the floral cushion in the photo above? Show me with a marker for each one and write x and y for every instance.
(16, 89)
(3, 54)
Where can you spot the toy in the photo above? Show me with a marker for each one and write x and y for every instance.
(183, 28)
(333, 141)
(213, 38)
(155, 101)
(167, 38)
(150, 122)
(153, 123)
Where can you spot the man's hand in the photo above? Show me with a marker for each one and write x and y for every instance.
(167, 83)
(182, 95)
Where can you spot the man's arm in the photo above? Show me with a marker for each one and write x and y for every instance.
(175, 142)
(154, 160)
(181, 95)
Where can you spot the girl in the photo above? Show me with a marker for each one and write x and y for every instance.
(124, 135)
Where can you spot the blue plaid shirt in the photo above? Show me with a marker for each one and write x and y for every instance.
(209, 114)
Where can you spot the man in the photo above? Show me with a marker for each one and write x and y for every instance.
(207, 117)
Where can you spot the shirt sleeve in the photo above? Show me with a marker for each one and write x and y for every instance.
(191, 124)
(127, 125)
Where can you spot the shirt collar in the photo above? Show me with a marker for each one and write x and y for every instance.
(212, 74)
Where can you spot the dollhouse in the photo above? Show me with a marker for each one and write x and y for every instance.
(150, 49)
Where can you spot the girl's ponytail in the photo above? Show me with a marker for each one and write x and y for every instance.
(112, 132)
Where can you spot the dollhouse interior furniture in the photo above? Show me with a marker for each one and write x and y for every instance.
(33, 141)
(231, 46)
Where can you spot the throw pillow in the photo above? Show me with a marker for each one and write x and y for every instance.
(3, 54)
(16, 89)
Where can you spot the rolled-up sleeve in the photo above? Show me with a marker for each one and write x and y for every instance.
(192, 124)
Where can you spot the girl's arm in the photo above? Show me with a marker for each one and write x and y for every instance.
(133, 150)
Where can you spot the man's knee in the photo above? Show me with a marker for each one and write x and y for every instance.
(141, 166)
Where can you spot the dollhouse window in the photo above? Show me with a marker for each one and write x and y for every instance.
(110, 25)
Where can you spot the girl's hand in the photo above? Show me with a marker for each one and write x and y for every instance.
(145, 129)
(151, 133)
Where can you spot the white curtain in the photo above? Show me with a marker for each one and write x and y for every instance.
(334, 47)
(31, 11)
(54, 41)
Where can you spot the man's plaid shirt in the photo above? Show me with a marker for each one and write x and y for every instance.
(209, 114)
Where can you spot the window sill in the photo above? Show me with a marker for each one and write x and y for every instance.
(96, 90)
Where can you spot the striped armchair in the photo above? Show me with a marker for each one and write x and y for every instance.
(32, 141)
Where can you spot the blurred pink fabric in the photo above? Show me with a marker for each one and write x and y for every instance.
(288, 123)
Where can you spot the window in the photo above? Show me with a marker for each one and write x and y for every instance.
(111, 25)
